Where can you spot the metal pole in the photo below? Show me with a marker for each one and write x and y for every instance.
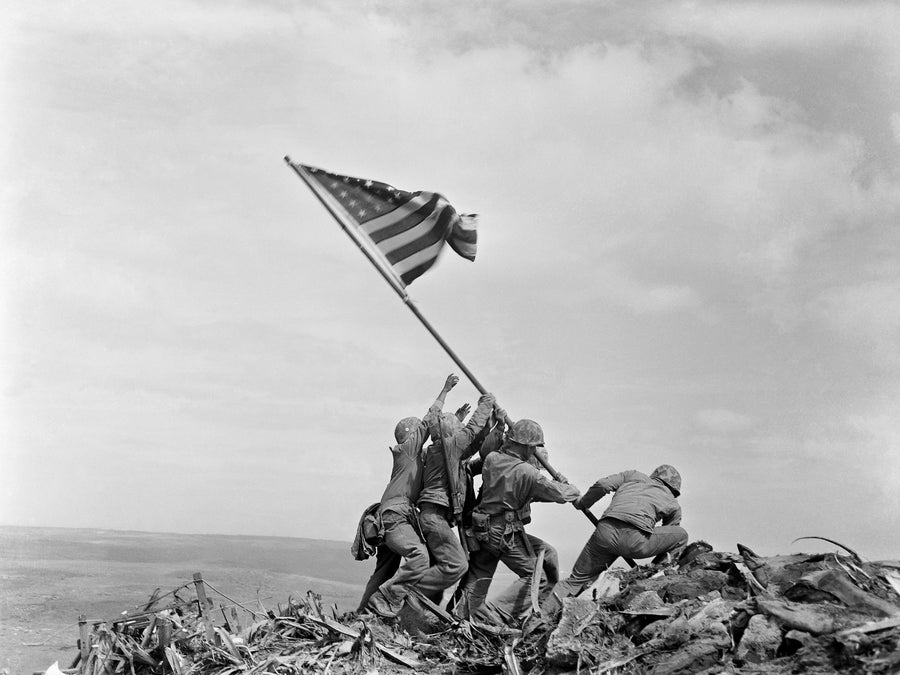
(399, 290)
(387, 276)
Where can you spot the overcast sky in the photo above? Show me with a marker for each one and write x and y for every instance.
(689, 253)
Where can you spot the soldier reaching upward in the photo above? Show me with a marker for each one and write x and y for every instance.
(443, 494)
(397, 510)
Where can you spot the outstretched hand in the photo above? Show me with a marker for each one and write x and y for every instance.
(462, 411)
(452, 381)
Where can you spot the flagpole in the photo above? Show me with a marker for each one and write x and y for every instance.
(387, 276)
(394, 283)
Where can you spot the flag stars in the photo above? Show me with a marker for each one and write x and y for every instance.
(353, 202)
(362, 213)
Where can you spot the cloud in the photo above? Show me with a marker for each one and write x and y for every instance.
(723, 421)
(866, 313)
(801, 24)
(677, 257)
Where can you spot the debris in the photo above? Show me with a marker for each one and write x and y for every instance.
(837, 583)
(798, 616)
(761, 640)
(836, 543)
(712, 612)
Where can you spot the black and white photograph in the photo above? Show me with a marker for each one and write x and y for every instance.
(533, 337)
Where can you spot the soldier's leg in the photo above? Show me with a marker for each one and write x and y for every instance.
(386, 565)
(471, 597)
(663, 539)
(515, 600)
(401, 537)
(447, 552)
(596, 556)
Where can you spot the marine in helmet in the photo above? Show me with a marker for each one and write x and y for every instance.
(392, 580)
(628, 527)
(510, 482)
(443, 495)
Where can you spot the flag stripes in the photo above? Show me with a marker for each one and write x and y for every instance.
(408, 229)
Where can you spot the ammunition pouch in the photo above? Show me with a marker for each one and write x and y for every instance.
(481, 526)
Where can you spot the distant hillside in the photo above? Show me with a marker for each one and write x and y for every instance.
(50, 576)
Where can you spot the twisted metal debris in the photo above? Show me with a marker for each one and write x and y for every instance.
(714, 611)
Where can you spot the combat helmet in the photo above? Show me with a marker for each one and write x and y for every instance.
(404, 426)
(668, 474)
(526, 432)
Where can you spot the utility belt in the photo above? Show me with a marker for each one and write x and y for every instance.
(511, 521)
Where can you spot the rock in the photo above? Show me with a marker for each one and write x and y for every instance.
(647, 603)
(795, 640)
(606, 587)
(675, 633)
(760, 641)
(716, 610)
(691, 658)
(836, 584)
(693, 584)
(801, 617)
(586, 628)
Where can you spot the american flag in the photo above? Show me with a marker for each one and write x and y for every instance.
(409, 229)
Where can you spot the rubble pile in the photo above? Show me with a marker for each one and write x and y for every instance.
(723, 612)
(713, 612)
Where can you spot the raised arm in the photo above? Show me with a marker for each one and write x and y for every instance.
(475, 424)
(438, 404)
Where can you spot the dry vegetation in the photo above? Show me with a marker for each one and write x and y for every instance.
(714, 612)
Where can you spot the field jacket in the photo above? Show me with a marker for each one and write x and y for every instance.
(510, 484)
(639, 500)
(438, 486)
(407, 469)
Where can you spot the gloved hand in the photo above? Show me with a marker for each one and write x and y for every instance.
(462, 411)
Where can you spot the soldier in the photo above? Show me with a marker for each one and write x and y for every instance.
(628, 526)
(397, 511)
(509, 484)
(443, 494)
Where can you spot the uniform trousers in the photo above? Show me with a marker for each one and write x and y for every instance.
(613, 538)
(447, 554)
(507, 542)
(402, 537)
(386, 565)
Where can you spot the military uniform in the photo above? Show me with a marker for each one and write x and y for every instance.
(509, 485)
(438, 512)
(400, 521)
(628, 527)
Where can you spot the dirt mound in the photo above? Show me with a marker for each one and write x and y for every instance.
(714, 612)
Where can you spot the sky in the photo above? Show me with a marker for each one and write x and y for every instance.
(689, 253)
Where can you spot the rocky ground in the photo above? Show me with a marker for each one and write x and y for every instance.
(713, 612)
